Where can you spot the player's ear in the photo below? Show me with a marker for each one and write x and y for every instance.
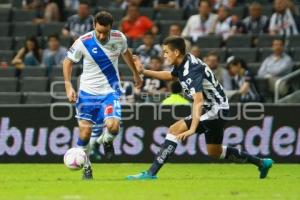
(177, 52)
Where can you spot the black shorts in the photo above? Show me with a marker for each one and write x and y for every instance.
(212, 128)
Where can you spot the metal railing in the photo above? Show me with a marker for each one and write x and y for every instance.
(292, 76)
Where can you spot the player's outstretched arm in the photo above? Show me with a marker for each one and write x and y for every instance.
(67, 70)
(161, 75)
(128, 58)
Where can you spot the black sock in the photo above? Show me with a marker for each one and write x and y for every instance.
(164, 153)
(235, 155)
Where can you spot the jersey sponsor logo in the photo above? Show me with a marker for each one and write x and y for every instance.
(109, 109)
(86, 37)
(94, 50)
(114, 34)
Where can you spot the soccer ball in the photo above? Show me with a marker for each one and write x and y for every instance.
(75, 158)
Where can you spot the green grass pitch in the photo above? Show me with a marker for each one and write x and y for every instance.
(176, 181)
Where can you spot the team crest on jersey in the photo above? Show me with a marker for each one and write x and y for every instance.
(89, 36)
(113, 47)
(109, 109)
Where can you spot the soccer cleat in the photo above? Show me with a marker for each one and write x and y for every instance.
(141, 176)
(264, 168)
(87, 173)
(109, 150)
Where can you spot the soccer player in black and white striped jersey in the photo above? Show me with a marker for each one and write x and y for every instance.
(210, 108)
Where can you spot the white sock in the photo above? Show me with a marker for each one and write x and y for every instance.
(105, 137)
(223, 154)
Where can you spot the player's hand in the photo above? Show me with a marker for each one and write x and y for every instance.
(183, 136)
(138, 64)
(138, 81)
(71, 94)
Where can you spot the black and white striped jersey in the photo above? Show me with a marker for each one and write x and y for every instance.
(195, 76)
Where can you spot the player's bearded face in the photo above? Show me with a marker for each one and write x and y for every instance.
(169, 55)
(102, 32)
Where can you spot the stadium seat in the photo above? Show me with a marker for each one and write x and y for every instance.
(118, 14)
(103, 3)
(149, 12)
(267, 9)
(296, 54)
(58, 71)
(248, 54)
(37, 98)
(294, 41)
(254, 67)
(7, 72)
(263, 88)
(263, 53)
(266, 40)
(37, 71)
(19, 42)
(25, 29)
(5, 14)
(52, 28)
(17, 3)
(6, 56)
(6, 43)
(240, 41)
(212, 41)
(220, 51)
(10, 97)
(291, 98)
(66, 42)
(5, 29)
(57, 84)
(8, 84)
(20, 15)
(239, 11)
(170, 14)
(124, 70)
(34, 84)
(165, 25)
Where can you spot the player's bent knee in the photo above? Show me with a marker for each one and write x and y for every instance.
(112, 125)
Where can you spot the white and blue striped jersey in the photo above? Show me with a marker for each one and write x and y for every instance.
(100, 74)
(195, 76)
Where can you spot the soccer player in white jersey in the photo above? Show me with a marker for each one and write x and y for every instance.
(209, 111)
(97, 101)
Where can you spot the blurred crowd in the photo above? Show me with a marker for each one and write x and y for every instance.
(202, 18)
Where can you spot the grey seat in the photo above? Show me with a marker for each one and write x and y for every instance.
(296, 54)
(8, 84)
(24, 29)
(212, 41)
(57, 84)
(5, 14)
(10, 97)
(239, 11)
(37, 98)
(66, 42)
(52, 28)
(263, 87)
(20, 15)
(266, 40)
(6, 43)
(33, 72)
(17, 3)
(170, 14)
(6, 56)
(247, 54)
(58, 71)
(5, 29)
(240, 41)
(254, 67)
(148, 12)
(34, 84)
(7, 72)
(294, 41)
(220, 51)
(264, 53)
(124, 70)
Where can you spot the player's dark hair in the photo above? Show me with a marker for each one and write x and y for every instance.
(103, 18)
(213, 53)
(176, 87)
(175, 42)
(53, 36)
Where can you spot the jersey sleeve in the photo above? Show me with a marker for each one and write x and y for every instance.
(75, 51)
(124, 44)
(174, 72)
